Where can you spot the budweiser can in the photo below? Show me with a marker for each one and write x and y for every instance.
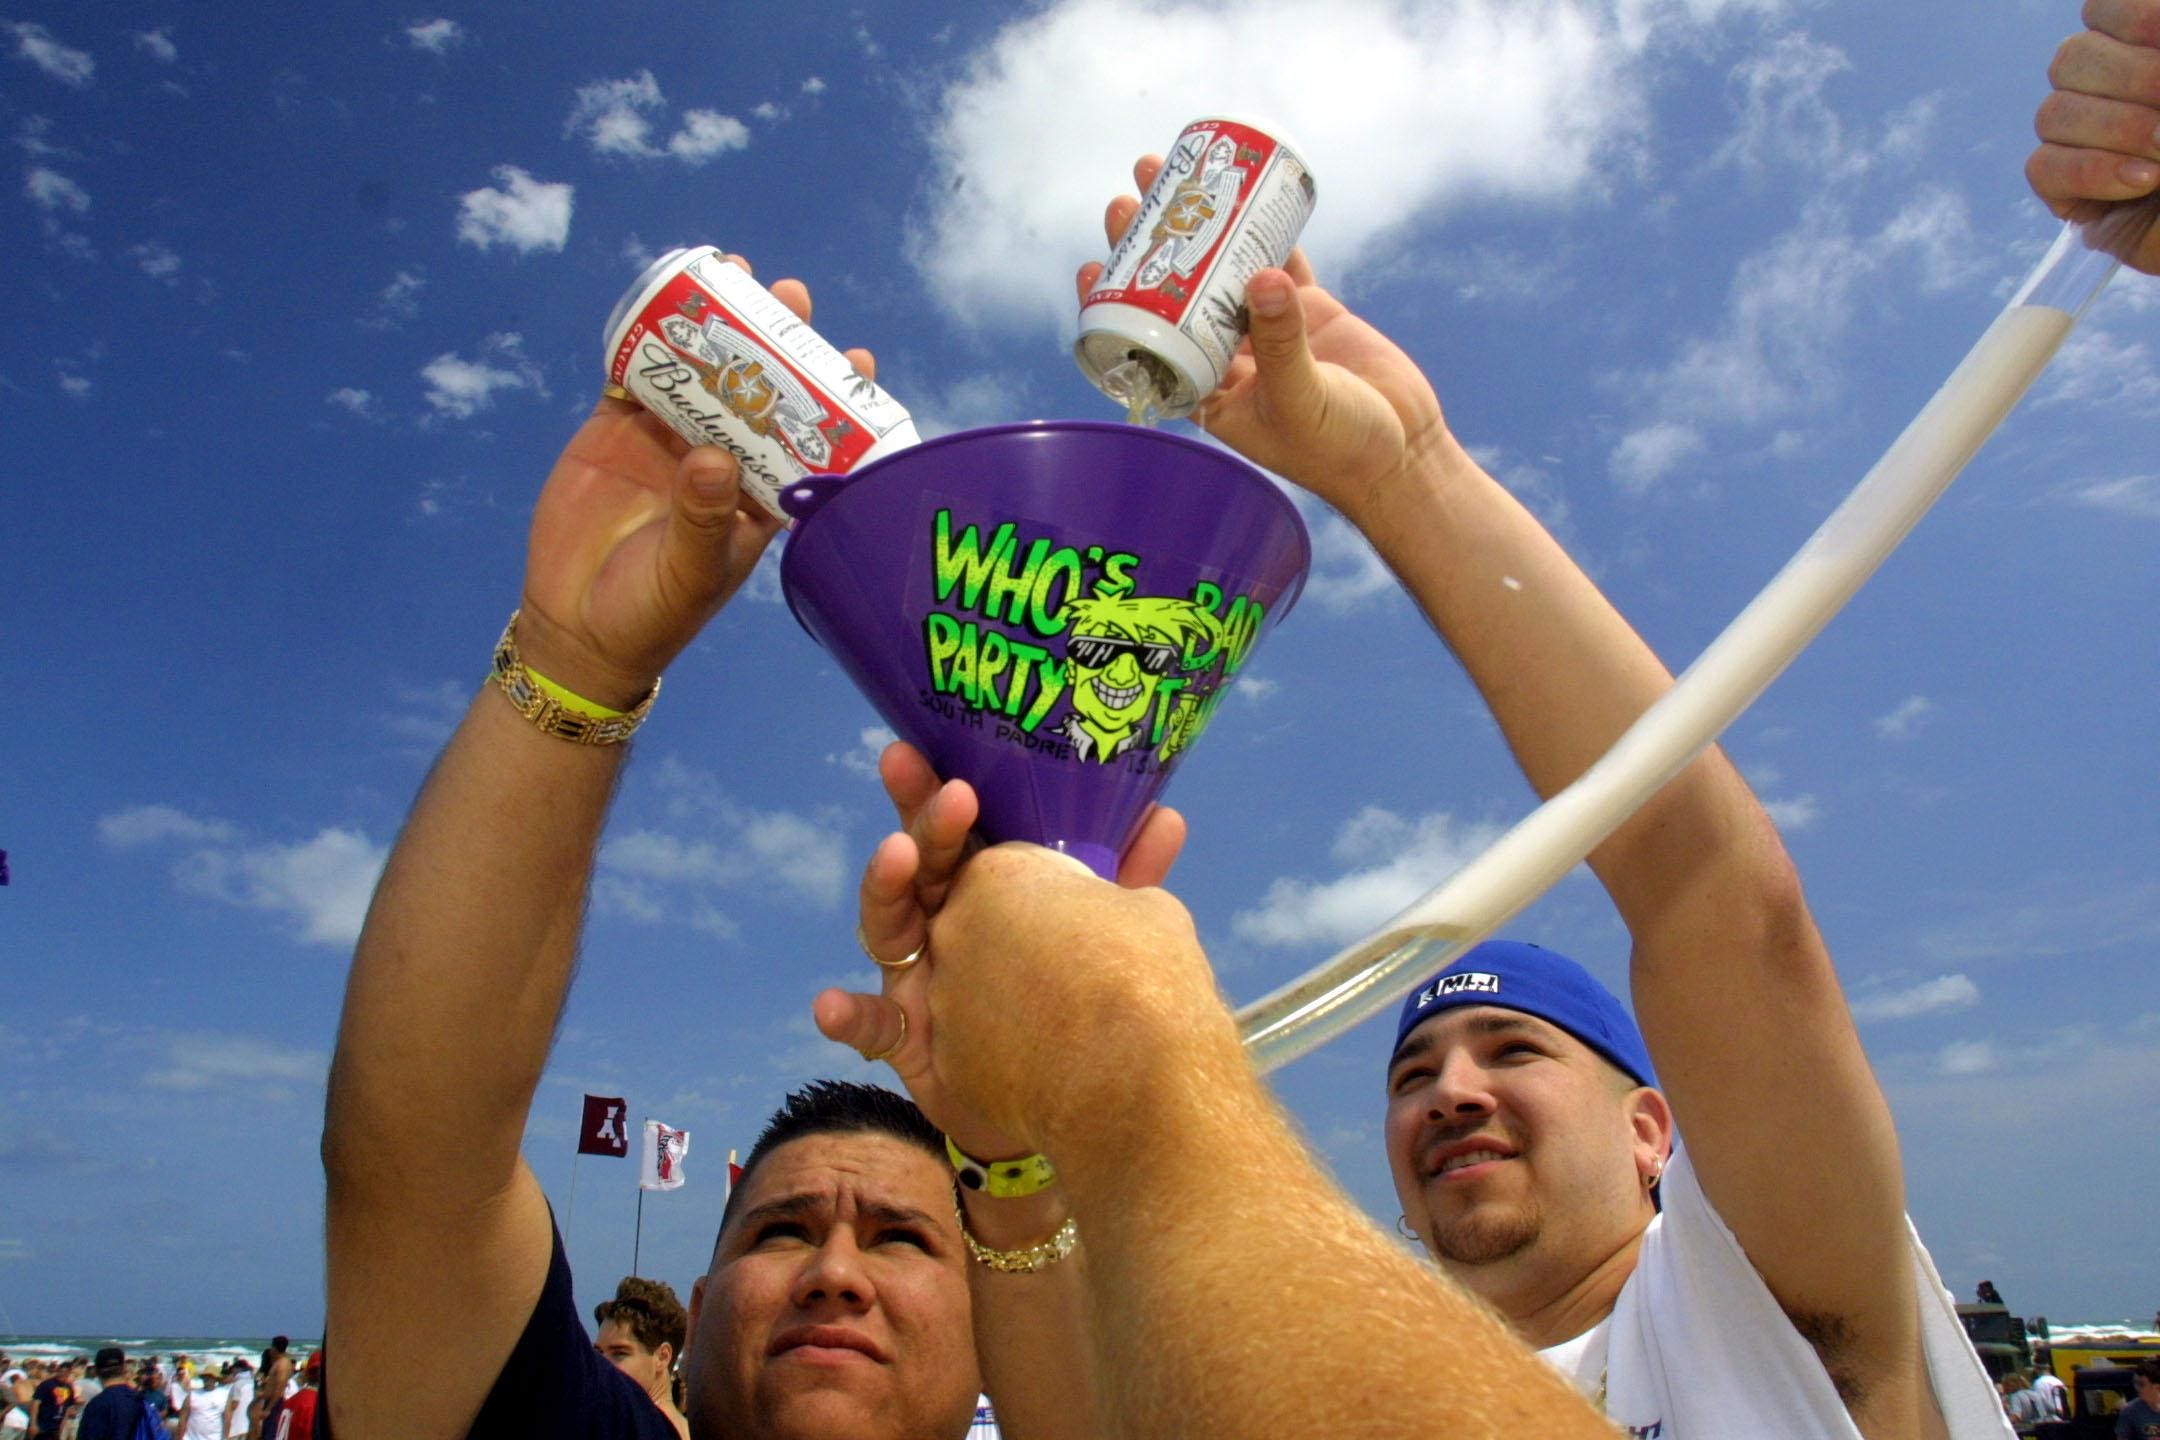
(713, 353)
(1161, 324)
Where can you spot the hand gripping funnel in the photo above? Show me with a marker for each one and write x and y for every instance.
(1049, 611)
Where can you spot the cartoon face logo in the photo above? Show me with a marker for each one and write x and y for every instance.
(1118, 652)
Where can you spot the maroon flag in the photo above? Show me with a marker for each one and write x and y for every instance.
(605, 1131)
(3, 867)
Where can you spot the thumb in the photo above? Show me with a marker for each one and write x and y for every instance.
(1286, 382)
(866, 1024)
(701, 518)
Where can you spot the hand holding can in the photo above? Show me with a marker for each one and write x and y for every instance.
(1159, 327)
(706, 348)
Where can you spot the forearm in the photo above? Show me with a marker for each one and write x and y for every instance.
(1235, 1292)
(463, 965)
(1031, 1330)
(1562, 672)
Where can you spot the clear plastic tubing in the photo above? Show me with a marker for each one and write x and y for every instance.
(1374, 973)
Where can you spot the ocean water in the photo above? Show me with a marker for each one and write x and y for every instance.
(199, 1348)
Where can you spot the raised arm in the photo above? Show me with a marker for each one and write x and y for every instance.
(1228, 1288)
(2099, 128)
(1732, 984)
(466, 957)
(1031, 1335)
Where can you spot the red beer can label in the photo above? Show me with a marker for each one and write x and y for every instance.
(1230, 201)
(715, 355)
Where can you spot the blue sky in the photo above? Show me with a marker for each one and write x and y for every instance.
(302, 302)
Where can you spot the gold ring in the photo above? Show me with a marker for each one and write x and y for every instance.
(901, 1039)
(896, 966)
(616, 392)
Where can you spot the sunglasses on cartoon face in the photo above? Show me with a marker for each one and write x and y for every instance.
(1097, 652)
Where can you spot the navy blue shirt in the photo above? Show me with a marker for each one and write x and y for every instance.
(554, 1386)
(111, 1414)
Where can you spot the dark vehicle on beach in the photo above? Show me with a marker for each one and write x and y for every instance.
(1998, 1337)
(2096, 1394)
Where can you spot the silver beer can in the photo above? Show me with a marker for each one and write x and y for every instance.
(710, 351)
(1162, 322)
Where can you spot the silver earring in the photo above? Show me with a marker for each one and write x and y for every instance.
(1402, 1228)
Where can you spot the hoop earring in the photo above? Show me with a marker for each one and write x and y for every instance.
(1402, 1228)
(1657, 1173)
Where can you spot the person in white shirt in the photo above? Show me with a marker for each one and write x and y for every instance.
(239, 1396)
(203, 1416)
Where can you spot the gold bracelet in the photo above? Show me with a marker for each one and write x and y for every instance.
(1040, 1256)
(557, 711)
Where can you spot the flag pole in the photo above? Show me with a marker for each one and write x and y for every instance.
(639, 1239)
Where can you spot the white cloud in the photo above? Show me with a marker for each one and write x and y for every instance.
(461, 388)
(1644, 457)
(438, 37)
(525, 214)
(2137, 495)
(243, 1064)
(36, 44)
(156, 259)
(964, 403)
(1783, 116)
(1255, 688)
(870, 47)
(1796, 814)
(761, 849)
(813, 86)
(611, 114)
(142, 825)
(50, 190)
(2097, 369)
(323, 883)
(398, 301)
(359, 402)
(29, 137)
(1523, 100)
(2052, 918)
(158, 45)
(1965, 1057)
(75, 386)
(615, 117)
(870, 742)
(706, 133)
(1393, 861)
(1929, 997)
(1935, 228)
(1906, 720)
(1346, 571)
(766, 110)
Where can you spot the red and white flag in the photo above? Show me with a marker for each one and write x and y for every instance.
(661, 1166)
(734, 1172)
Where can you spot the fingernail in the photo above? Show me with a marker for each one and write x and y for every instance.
(1269, 300)
(2141, 172)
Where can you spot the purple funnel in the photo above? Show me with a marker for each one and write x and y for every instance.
(1049, 611)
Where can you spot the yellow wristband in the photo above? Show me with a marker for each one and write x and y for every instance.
(1001, 1179)
(555, 710)
(570, 700)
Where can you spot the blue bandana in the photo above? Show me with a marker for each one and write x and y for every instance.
(1513, 975)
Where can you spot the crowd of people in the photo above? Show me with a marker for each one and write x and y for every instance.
(109, 1396)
